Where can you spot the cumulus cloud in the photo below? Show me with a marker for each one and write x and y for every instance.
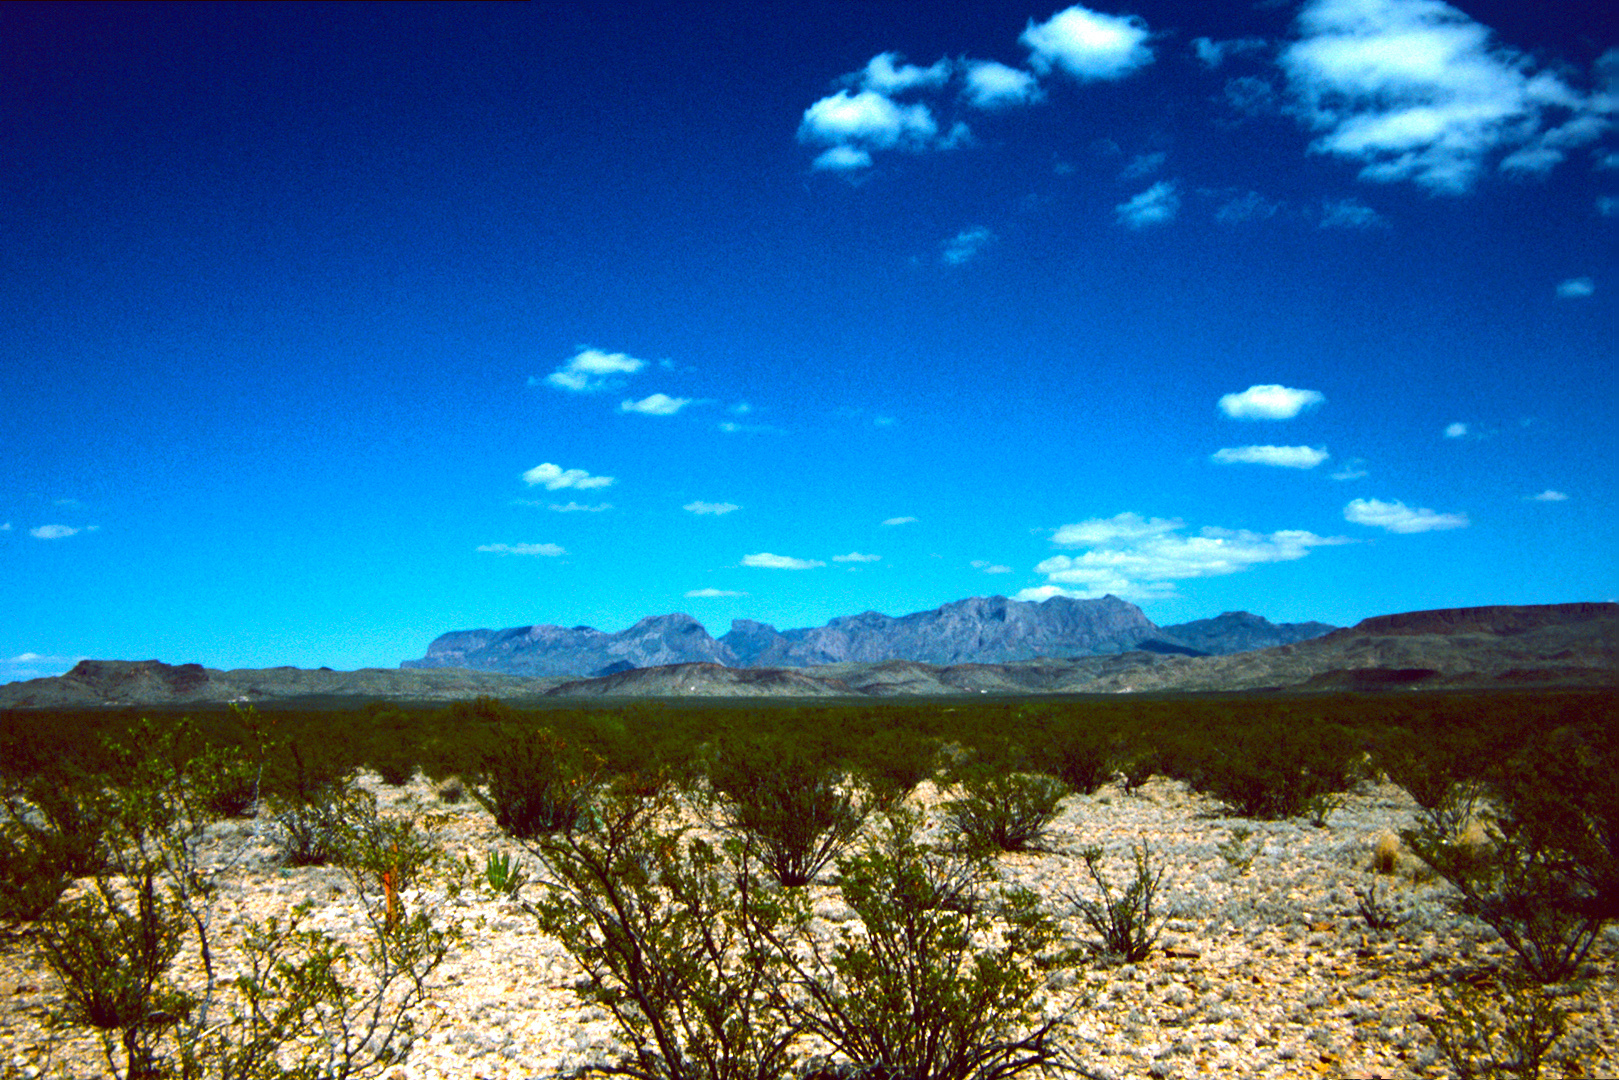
(1574, 288)
(716, 509)
(31, 665)
(1087, 44)
(887, 73)
(1457, 430)
(1250, 207)
(1349, 214)
(992, 85)
(578, 508)
(966, 244)
(1286, 457)
(1122, 528)
(53, 532)
(900, 521)
(1250, 95)
(1268, 401)
(1213, 53)
(1550, 496)
(852, 125)
(855, 556)
(555, 478)
(6, 527)
(549, 550)
(1353, 469)
(1135, 557)
(768, 561)
(1416, 90)
(1144, 165)
(990, 568)
(655, 405)
(592, 369)
(698, 594)
(1399, 518)
(1155, 206)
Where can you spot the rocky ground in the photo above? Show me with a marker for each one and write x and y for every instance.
(1264, 971)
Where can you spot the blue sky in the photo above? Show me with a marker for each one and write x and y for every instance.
(329, 329)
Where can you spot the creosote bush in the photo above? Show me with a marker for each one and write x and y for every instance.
(998, 809)
(711, 971)
(795, 810)
(1125, 920)
(537, 784)
(302, 1005)
(1544, 874)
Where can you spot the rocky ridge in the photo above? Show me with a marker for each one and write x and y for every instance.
(1469, 648)
(978, 630)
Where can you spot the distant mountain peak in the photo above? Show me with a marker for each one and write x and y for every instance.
(976, 629)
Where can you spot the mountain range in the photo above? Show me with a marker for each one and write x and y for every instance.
(979, 630)
(1484, 648)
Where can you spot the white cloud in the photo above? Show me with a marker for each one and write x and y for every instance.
(1250, 207)
(990, 568)
(655, 405)
(900, 521)
(1416, 90)
(579, 508)
(1608, 205)
(867, 119)
(841, 159)
(1144, 165)
(1087, 44)
(1458, 430)
(768, 561)
(1550, 496)
(1268, 401)
(1353, 469)
(886, 74)
(731, 427)
(1250, 95)
(1349, 214)
(855, 556)
(992, 85)
(592, 369)
(1574, 288)
(1213, 53)
(1286, 457)
(1155, 206)
(31, 665)
(710, 508)
(1135, 557)
(705, 593)
(6, 527)
(555, 478)
(1121, 528)
(966, 244)
(548, 550)
(1400, 518)
(53, 532)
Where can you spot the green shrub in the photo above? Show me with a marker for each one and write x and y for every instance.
(671, 932)
(537, 784)
(1084, 763)
(305, 1005)
(796, 811)
(1275, 774)
(1124, 920)
(918, 993)
(1001, 810)
(1484, 1036)
(1545, 873)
